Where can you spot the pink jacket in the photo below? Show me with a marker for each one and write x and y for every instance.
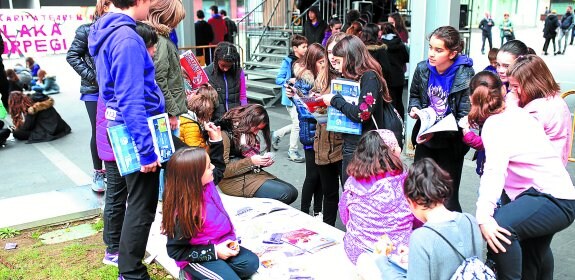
(473, 140)
(520, 156)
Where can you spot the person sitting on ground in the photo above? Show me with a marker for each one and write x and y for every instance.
(200, 110)
(46, 84)
(244, 176)
(32, 66)
(14, 83)
(35, 118)
(23, 75)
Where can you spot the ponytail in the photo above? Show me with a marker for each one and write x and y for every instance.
(485, 102)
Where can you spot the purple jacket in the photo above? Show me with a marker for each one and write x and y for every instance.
(217, 224)
(372, 208)
(103, 146)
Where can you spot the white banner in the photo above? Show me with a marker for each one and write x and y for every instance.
(41, 31)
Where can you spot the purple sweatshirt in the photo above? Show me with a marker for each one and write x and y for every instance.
(374, 207)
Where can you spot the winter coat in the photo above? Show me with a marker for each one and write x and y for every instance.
(191, 131)
(284, 74)
(327, 145)
(307, 124)
(232, 30)
(398, 57)
(47, 86)
(314, 33)
(204, 33)
(379, 53)
(550, 27)
(458, 98)
(371, 208)
(228, 86)
(80, 59)
(219, 27)
(485, 27)
(567, 21)
(169, 76)
(44, 123)
(241, 177)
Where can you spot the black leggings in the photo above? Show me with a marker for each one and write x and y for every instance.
(91, 107)
(311, 185)
(278, 190)
(329, 177)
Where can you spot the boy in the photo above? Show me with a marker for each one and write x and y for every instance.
(492, 56)
(299, 47)
(127, 87)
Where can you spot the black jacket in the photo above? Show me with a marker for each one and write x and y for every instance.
(314, 34)
(379, 53)
(228, 98)
(485, 27)
(44, 123)
(204, 33)
(550, 27)
(398, 57)
(232, 30)
(79, 58)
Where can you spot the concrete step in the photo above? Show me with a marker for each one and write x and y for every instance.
(262, 85)
(270, 55)
(267, 73)
(258, 95)
(262, 64)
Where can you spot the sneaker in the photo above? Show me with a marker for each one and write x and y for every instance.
(318, 217)
(275, 141)
(98, 184)
(111, 259)
(295, 156)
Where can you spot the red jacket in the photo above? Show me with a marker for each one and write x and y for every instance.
(219, 27)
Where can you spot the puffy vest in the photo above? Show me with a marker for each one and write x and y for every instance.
(229, 98)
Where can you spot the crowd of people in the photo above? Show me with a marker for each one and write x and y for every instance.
(511, 113)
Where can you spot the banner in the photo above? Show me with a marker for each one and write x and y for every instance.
(32, 32)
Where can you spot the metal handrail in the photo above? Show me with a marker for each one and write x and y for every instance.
(266, 27)
(251, 12)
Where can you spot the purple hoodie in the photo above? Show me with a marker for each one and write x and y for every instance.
(126, 76)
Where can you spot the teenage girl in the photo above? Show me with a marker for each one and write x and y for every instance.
(442, 82)
(374, 109)
(523, 163)
(506, 56)
(164, 16)
(373, 203)
(227, 77)
(194, 219)
(334, 27)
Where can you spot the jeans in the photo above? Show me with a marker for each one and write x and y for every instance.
(563, 33)
(330, 187)
(278, 190)
(311, 185)
(292, 129)
(532, 218)
(242, 266)
(142, 200)
(489, 40)
(114, 207)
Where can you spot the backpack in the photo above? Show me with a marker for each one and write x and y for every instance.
(471, 268)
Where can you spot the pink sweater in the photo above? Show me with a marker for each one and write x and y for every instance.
(520, 157)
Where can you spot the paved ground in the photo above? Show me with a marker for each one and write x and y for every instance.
(66, 163)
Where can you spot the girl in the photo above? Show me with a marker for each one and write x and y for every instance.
(370, 37)
(164, 16)
(149, 36)
(331, 42)
(529, 170)
(334, 27)
(397, 21)
(80, 59)
(398, 57)
(426, 189)
(227, 77)
(32, 66)
(373, 203)
(505, 57)
(244, 175)
(374, 111)
(14, 83)
(538, 93)
(46, 84)
(355, 29)
(442, 83)
(35, 118)
(200, 110)
(195, 221)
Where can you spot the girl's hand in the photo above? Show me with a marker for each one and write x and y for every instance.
(214, 132)
(151, 167)
(268, 160)
(413, 113)
(290, 91)
(493, 235)
(224, 251)
(258, 160)
(326, 98)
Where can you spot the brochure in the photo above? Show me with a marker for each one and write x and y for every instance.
(307, 240)
(194, 75)
(125, 149)
(336, 120)
(431, 122)
(250, 212)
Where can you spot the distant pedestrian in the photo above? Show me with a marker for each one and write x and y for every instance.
(204, 36)
(485, 25)
(231, 25)
(218, 25)
(550, 31)
(506, 29)
(315, 27)
(566, 26)
(399, 23)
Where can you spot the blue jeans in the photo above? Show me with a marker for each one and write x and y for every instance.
(532, 218)
(244, 265)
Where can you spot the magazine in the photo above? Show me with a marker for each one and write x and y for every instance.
(194, 75)
(431, 122)
(307, 240)
(336, 120)
(125, 150)
(249, 212)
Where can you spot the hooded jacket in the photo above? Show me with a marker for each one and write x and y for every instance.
(169, 76)
(284, 74)
(80, 59)
(567, 21)
(43, 122)
(371, 208)
(398, 57)
(219, 27)
(550, 27)
(126, 77)
(379, 53)
(191, 130)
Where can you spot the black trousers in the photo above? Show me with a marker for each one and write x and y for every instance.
(311, 185)
(347, 152)
(91, 108)
(397, 100)
(546, 44)
(449, 159)
(329, 178)
(489, 39)
(532, 218)
(114, 207)
(142, 200)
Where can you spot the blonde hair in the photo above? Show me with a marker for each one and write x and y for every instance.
(165, 15)
(101, 7)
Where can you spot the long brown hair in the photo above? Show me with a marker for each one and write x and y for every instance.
(18, 104)
(314, 53)
(534, 77)
(183, 203)
(357, 61)
(244, 118)
(165, 15)
(373, 157)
